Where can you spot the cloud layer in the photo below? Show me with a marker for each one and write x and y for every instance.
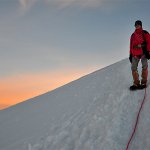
(27, 4)
(82, 3)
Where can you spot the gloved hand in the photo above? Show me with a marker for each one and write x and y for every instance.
(148, 55)
(130, 58)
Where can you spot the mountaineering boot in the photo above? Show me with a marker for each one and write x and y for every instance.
(136, 82)
(144, 78)
(135, 87)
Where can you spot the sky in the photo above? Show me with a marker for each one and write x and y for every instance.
(45, 44)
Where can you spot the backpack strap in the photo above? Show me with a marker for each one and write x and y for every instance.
(143, 34)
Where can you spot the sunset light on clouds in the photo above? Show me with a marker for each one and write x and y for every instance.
(45, 44)
(23, 87)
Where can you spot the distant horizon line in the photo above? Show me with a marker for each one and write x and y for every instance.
(5, 106)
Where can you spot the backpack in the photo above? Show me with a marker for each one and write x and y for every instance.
(144, 47)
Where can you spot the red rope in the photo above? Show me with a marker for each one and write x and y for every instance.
(137, 119)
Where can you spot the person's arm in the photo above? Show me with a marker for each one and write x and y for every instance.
(147, 38)
(130, 52)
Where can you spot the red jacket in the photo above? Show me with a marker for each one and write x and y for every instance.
(137, 38)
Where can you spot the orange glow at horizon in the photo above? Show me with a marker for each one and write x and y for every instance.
(19, 88)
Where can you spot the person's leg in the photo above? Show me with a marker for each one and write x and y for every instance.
(144, 71)
(134, 68)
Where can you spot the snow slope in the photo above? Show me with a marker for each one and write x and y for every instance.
(95, 112)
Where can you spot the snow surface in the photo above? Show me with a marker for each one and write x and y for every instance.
(95, 112)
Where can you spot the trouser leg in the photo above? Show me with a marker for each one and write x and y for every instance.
(134, 68)
(144, 74)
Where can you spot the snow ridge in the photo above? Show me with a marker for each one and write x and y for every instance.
(95, 112)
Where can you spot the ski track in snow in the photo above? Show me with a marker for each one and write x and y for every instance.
(103, 121)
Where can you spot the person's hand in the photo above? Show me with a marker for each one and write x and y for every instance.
(130, 58)
(148, 57)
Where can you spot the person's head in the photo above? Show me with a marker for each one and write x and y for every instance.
(138, 24)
